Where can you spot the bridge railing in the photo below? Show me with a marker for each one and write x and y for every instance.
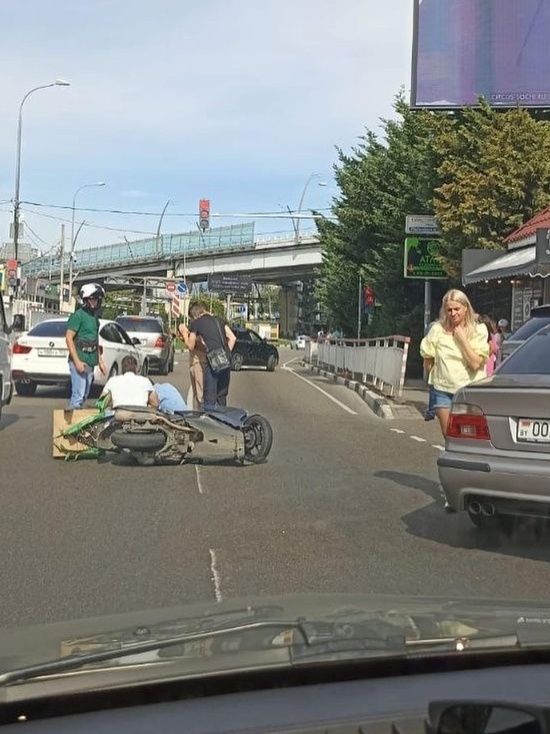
(164, 247)
(380, 362)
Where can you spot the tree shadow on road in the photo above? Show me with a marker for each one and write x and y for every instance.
(529, 538)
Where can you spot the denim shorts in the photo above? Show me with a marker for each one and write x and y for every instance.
(440, 399)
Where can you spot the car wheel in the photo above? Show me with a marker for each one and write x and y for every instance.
(171, 366)
(237, 362)
(164, 367)
(145, 368)
(25, 389)
(271, 363)
(258, 438)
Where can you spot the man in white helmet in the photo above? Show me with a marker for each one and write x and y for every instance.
(82, 337)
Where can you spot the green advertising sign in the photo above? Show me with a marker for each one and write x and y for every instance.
(421, 258)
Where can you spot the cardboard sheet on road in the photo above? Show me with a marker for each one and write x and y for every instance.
(62, 419)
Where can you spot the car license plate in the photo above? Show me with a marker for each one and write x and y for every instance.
(534, 429)
(53, 352)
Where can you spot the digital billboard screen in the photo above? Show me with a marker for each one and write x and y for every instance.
(466, 49)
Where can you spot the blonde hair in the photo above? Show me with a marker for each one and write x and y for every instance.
(470, 317)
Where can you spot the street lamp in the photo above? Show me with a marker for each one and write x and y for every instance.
(16, 202)
(73, 236)
(302, 197)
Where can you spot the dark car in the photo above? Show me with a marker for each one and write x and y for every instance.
(540, 316)
(251, 350)
(155, 343)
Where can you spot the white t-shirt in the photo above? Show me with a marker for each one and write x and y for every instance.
(129, 389)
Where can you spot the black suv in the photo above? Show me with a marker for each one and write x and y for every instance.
(155, 343)
(251, 350)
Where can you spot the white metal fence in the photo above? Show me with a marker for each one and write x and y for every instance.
(380, 363)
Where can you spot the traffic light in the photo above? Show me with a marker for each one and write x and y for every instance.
(204, 214)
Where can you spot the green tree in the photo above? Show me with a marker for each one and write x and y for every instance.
(494, 175)
(380, 182)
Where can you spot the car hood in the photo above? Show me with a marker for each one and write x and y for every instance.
(411, 618)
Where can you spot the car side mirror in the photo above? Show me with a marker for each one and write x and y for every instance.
(136, 341)
(484, 718)
(18, 322)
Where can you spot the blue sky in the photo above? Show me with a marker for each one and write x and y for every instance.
(238, 101)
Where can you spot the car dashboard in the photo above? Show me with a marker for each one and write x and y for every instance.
(392, 698)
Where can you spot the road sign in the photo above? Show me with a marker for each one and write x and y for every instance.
(170, 286)
(421, 224)
(421, 258)
(227, 283)
(182, 288)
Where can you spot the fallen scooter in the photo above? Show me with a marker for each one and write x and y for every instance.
(152, 437)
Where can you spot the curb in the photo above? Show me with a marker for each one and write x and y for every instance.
(379, 405)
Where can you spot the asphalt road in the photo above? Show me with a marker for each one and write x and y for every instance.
(347, 502)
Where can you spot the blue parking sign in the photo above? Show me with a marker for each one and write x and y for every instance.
(182, 288)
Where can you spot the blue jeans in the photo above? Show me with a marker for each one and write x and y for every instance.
(81, 384)
(216, 388)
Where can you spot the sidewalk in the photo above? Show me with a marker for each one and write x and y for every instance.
(414, 400)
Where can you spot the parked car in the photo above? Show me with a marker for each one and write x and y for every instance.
(155, 343)
(251, 350)
(496, 463)
(6, 384)
(40, 355)
(539, 317)
(299, 342)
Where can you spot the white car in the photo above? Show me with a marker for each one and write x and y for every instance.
(40, 355)
(300, 342)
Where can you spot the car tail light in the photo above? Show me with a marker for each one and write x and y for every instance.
(160, 342)
(468, 421)
(20, 349)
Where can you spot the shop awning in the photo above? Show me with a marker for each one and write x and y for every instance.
(514, 263)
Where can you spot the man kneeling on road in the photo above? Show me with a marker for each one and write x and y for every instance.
(129, 388)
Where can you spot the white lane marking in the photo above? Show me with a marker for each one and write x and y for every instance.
(199, 480)
(438, 447)
(215, 574)
(189, 400)
(312, 384)
(417, 438)
(396, 430)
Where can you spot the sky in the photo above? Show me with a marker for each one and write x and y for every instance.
(237, 101)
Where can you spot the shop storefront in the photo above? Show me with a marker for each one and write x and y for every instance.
(508, 285)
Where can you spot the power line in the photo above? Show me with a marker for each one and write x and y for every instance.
(292, 214)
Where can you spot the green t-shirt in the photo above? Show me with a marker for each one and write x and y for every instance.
(85, 326)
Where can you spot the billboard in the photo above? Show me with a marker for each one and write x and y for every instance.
(466, 49)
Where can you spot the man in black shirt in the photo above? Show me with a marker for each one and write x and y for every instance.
(215, 334)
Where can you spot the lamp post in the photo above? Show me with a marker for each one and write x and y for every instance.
(16, 202)
(73, 236)
(302, 197)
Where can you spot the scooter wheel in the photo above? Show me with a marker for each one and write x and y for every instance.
(258, 438)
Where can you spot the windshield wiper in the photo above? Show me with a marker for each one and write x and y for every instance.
(313, 636)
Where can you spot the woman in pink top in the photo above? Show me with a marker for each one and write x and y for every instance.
(494, 344)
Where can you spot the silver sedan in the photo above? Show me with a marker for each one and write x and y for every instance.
(496, 463)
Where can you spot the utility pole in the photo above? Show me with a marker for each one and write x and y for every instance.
(359, 306)
(61, 267)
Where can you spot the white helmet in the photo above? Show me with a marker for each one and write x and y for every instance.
(92, 290)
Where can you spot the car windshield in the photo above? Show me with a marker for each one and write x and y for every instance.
(140, 325)
(302, 224)
(49, 328)
(532, 358)
(529, 328)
